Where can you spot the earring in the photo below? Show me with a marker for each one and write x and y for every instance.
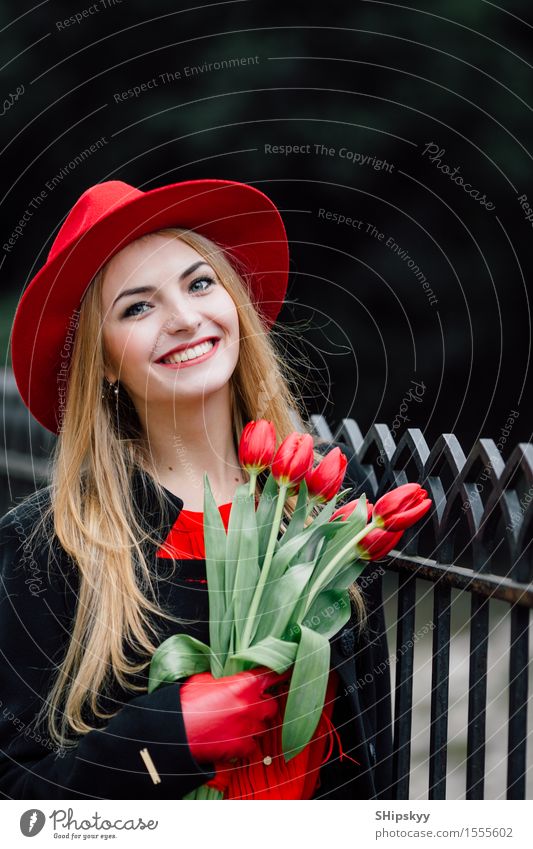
(110, 385)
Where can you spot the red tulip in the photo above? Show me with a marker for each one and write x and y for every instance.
(347, 510)
(324, 482)
(401, 507)
(293, 459)
(257, 446)
(377, 544)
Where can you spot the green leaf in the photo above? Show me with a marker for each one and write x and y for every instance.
(340, 495)
(296, 524)
(305, 700)
(204, 792)
(329, 612)
(303, 542)
(236, 528)
(348, 530)
(215, 554)
(280, 599)
(265, 514)
(178, 657)
(276, 654)
(247, 572)
(225, 631)
(311, 550)
(347, 575)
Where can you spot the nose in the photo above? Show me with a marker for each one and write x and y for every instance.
(184, 317)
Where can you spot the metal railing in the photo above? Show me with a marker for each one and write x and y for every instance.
(477, 539)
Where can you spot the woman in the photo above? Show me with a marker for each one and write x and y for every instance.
(106, 562)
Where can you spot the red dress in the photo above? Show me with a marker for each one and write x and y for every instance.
(269, 776)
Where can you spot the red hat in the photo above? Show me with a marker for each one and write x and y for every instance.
(104, 220)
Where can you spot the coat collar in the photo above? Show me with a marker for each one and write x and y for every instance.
(154, 518)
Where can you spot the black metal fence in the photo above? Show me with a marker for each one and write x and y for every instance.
(25, 446)
(477, 538)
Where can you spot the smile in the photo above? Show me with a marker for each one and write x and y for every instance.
(191, 356)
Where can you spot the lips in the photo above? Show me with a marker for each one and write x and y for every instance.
(195, 360)
(180, 348)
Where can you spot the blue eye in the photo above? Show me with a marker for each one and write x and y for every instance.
(203, 280)
(128, 312)
(209, 280)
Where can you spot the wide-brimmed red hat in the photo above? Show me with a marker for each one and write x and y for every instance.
(104, 220)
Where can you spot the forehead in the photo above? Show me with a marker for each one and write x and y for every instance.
(148, 261)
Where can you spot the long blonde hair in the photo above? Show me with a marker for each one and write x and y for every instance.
(99, 447)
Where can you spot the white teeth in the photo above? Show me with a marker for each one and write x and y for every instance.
(190, 353)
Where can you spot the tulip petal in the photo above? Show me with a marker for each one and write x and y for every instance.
(324, 481)
(401, 507)
(257, 445)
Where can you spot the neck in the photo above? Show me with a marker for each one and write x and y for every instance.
(190, 441)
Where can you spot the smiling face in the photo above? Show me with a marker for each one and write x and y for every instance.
(186, 303)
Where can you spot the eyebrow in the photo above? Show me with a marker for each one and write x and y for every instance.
(139, 290)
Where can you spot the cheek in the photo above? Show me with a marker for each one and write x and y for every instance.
(228, 315)
(109, 342)
(125, 346)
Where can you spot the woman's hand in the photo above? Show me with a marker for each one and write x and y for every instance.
(222, 715)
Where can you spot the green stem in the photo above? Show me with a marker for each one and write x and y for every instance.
(331, 568)
(310, 504)
(263, 575)
(253, 478)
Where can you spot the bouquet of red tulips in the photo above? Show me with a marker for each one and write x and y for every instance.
(274, 600)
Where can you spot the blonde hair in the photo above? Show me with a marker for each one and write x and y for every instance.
(91, 514)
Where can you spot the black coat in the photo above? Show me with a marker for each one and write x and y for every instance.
(37, 606)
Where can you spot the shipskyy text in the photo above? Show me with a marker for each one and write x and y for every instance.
(396, 817)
